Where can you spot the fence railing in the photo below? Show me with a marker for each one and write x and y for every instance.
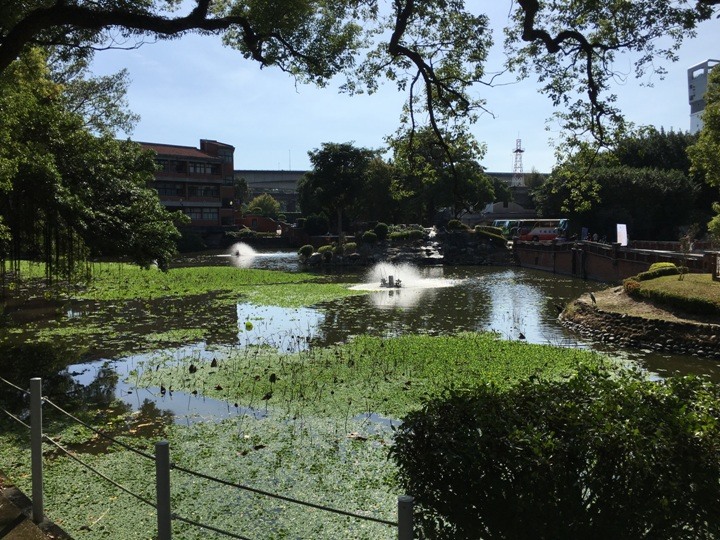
(163, 466)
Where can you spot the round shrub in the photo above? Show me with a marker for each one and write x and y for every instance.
(416, 234)
(601, 454)
(455, 225)
(369, 237)
(327, 252)
(349, 247)
(306, 250)
(381, 230)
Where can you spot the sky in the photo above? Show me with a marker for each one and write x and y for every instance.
(194, 88)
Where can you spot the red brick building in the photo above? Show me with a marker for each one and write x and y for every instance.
(198, 182)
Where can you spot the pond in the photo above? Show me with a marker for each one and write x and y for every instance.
(515, 303)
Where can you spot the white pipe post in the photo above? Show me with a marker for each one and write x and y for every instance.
(36, 452)
(162, 489)
(405, 517)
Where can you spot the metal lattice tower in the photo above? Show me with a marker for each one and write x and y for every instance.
(518, 178)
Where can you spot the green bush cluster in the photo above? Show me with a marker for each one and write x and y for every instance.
(381, 230)
(598, 455)
(369, 237)
(456, 225)
(658, 269)
(497, 231)
(691, 304)
(245, 232)
(406, 234)
(347, 248)
(306, 250)
(491, 232)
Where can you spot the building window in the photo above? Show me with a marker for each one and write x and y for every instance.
(195, 214)
(169, 190)
(211, 192)
(199, 167)
(210, 214)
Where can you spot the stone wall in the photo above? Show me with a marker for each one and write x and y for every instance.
(698, 339)
(610, 263)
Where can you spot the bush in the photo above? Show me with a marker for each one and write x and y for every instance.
(369, 237)
(599, 455)
(381, 230)
(348, 247)
(497, 231)
(490, 233)
(306, 251)
(632, 287)
(456, 225)
(242, 233)
(406, 234)
(327, 252)
(660, 265)
(658, 269)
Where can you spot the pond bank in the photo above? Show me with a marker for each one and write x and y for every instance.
(616, 318)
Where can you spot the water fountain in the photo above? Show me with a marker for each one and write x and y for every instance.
(384, 276)
(242, 255)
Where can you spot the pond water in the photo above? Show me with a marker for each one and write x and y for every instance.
(515, 303)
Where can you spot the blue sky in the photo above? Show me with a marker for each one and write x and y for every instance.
(195, 88)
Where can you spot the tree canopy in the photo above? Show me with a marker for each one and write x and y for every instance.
(338, 178)
(69, 192)
(266, 203)
(440, 172)
(644, 181)
(434, 49)
(705, 153)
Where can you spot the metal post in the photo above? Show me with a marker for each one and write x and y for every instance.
(405, 517)
(36, 452)
(162, 489)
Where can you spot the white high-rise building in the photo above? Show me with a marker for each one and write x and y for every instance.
(697, 85)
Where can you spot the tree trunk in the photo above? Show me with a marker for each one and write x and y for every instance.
(341, 236)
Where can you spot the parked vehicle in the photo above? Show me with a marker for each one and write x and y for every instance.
(540, 230)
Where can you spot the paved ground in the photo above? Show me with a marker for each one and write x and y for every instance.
(15, 522)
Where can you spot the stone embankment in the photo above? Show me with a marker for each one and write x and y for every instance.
(655, 329)
(455, 248)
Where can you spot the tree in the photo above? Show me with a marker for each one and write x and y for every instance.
(267, 205)
(705, 153)
(68, 192)
(100, 101)
(644, 182)
(435, 49)
(338, 178)
(435, 172)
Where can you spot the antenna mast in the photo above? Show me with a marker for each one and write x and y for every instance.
(518, 178)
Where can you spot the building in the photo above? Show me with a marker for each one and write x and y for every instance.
(281, 185)
(199, 182)
(697, 85)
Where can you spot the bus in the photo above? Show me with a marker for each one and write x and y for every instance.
(541, 230)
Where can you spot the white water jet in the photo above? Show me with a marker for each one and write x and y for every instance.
(407, 275)
(241, 249)
(242, 255)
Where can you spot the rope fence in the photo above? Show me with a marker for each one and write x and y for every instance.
(163, 465)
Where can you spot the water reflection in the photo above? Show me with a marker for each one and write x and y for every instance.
(285, 329)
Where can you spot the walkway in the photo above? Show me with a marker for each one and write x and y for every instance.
(15, 524)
